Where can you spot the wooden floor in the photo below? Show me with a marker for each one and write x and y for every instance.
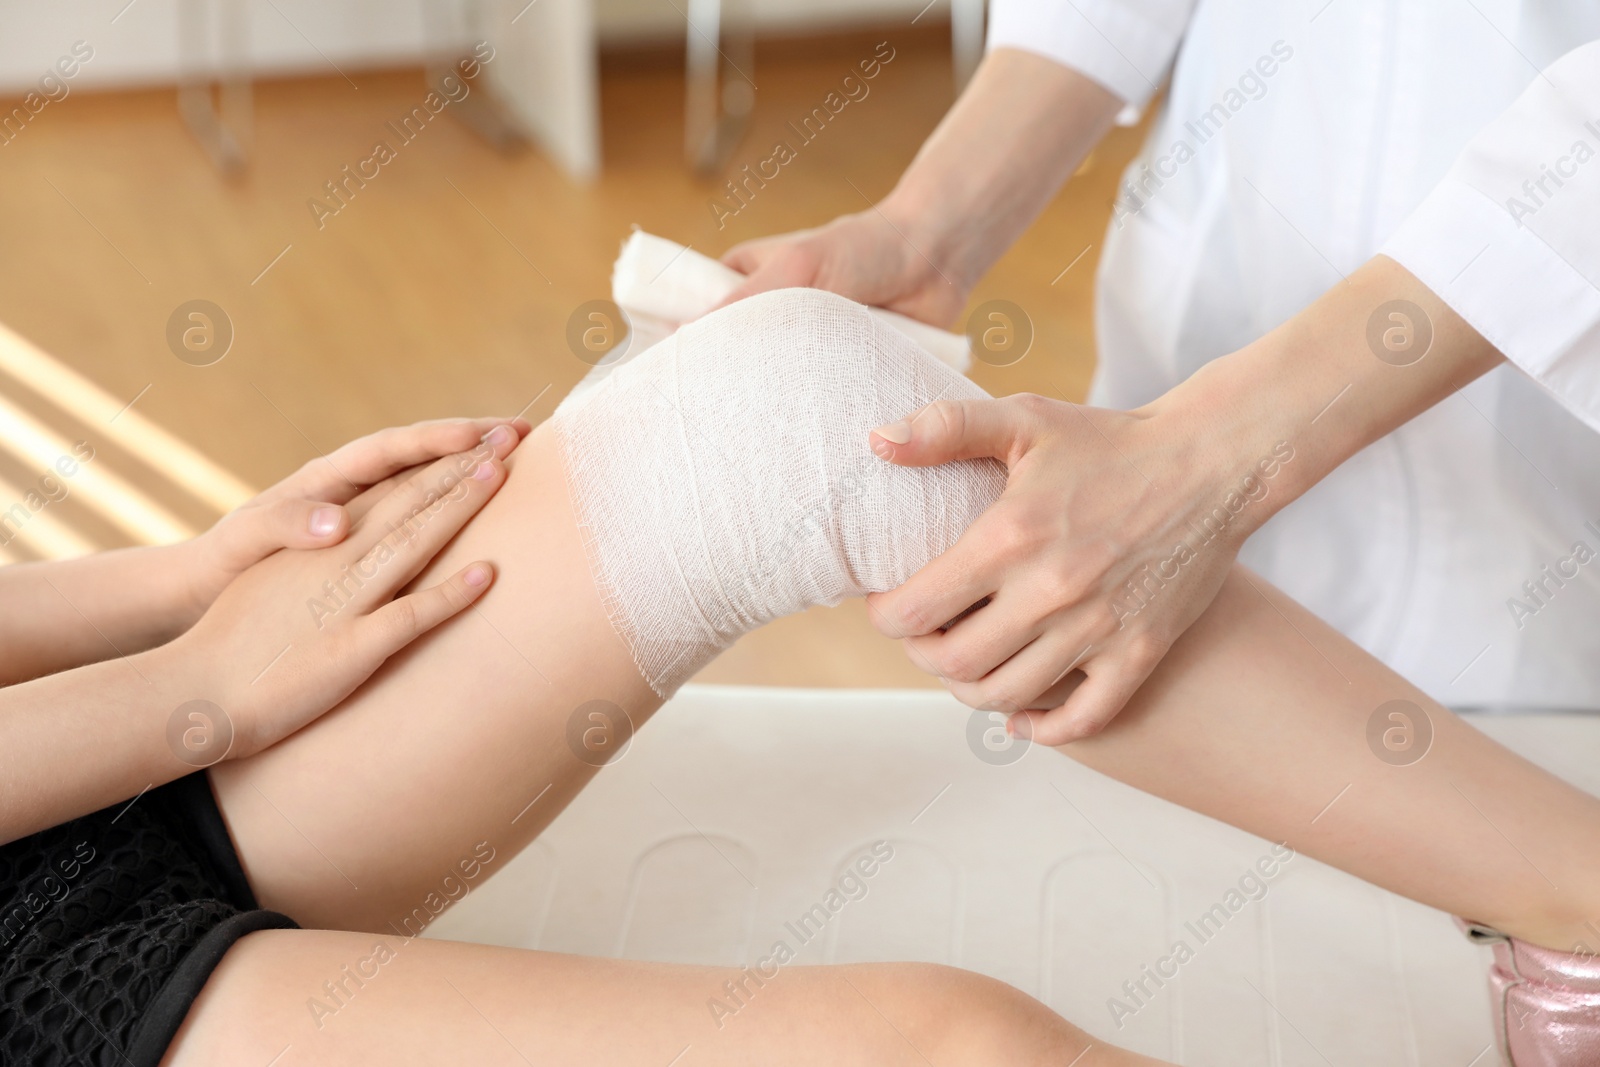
(444, 286)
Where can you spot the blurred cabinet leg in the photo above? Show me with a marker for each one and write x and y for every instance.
(719, 92)
(966, 38)
(214, 79)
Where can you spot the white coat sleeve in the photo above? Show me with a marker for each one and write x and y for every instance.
(1510, 239)
(1125, 45)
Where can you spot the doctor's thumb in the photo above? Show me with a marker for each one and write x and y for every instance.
(948, 430)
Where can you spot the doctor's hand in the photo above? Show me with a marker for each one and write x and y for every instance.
(1114, 533)
(865, 257)
(1117, 528)
(1022, 126)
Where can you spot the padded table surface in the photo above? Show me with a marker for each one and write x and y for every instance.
(723, 827)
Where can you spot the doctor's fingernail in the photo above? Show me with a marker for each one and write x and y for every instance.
(476, 575)
(484, 472)
(324, 521)
(896, 432)
(500, 435)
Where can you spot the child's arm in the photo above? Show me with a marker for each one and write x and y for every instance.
(68, 613)
(257, 666)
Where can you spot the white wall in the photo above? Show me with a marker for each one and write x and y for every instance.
(137, 43)
(141, 45)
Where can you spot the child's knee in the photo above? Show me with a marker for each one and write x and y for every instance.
(724, 478)
(959, 1016)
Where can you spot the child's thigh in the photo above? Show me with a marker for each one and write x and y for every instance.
(428, 770)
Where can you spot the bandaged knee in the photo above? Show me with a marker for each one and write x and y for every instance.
(723, 478)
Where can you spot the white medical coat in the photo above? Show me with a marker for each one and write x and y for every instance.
(1464, 548)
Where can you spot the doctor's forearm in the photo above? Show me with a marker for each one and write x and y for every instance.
(1017, 133)
(1364, 359)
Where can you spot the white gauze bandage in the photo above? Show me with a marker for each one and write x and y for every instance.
(724, 478)
(661, 285)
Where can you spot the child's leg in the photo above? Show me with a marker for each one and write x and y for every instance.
(1259, 716)
(320, 997)
(1263, 716)
(461, 748)
(748, 436)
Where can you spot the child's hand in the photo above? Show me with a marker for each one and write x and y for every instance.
(305, 509)
(298, 631)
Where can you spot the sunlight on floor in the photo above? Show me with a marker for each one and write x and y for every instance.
(45, 534)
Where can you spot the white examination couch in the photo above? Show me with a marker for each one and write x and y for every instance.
(734, 813)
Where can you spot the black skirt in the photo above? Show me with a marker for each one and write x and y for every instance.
(111, 924)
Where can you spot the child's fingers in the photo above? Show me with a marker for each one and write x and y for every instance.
(483, 445)
(389, 509)
(254, 533)
(376, 456)
(398, 623)
(404, 531)
(367, 460)
(373, 494)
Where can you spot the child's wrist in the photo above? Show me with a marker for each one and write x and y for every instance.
(173, 598)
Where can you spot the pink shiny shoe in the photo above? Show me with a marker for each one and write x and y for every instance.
(1546, 1003)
